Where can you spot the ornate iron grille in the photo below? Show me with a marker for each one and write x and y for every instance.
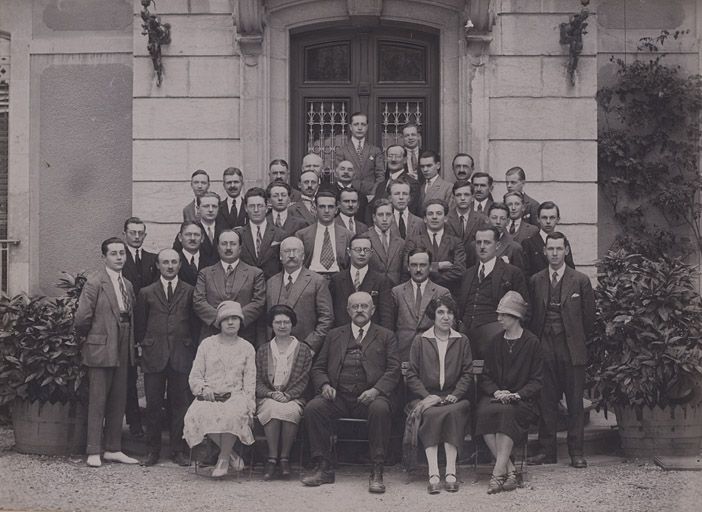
(395, 114)
(327, 120)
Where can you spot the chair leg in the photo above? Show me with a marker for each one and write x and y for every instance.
(253, 459)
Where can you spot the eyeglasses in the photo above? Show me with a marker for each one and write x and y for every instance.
(362, 250)
(362, 307)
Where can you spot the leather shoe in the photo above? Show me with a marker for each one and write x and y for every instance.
(151, 459)
(136, 431)
(451, 486)
(375, 482)
(269, 470)
(540, 459)
(578, 462)
(511, 482)
(284, 468)
(434, 487)
(181, 459)
(322, 475)
(119, 457)
(94, 461)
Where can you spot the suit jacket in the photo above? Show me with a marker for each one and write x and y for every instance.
(387, 262)
(229, 221)
(295, 195)
(414, 224)
(577, 309)
(536, 260)
(440, 189)
(359, 227)
(407, 323)
(291, 225)
(525, 231)
(380, 358)
(487, 206)
(474, 222)
(188, 273)
(379, 287)
(382, 191)
(97, 318)
(450, 249)
(312, 302)
(300, 211)
(248, 289)
(362, 204)
(143, 275)
(369, 165)
(268, 258)
(342, 237)
(167, 332)
(531, 210)
(507, 250)
(190, 212)
(505, 277)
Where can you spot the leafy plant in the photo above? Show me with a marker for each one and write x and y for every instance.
(648, 150)
(39, 350)
(648, 344)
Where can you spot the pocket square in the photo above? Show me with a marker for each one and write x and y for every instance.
(374, 293)
(273, 244)
(575, 296)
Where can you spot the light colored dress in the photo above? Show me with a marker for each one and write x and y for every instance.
(223, 367)
(269, 409)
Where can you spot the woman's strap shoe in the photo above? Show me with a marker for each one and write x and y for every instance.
(451, 486)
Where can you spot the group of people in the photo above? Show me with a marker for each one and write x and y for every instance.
(282, 305)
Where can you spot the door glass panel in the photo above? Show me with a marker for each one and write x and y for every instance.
(397, 112)
(401, 62)
(328, 63)
(326, 125)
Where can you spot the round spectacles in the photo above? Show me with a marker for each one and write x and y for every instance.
(362, 250)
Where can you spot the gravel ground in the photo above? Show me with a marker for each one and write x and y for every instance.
(609, 484)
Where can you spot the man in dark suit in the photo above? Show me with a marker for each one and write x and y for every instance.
(104, 317)
(463, 166)
(304, 291)
(348, 200)
(192, 259)
(412, 140)
(411, 299)
(405, 223)
(325, 242)
(563, 317)
(344, 175)
(387, 245)
(211, 225)
(533, 247)
(140, 269)
(355, 375)
(395, 161)
(484, 284)
(507, 249)
(447, 253)
(434, 186)
(482, 191)
(519, 229)
(200, 183)
(231, 211)
(463, 221)
(260, 240)
(278, 194)
(230, 279)
(166, 329)
(366, 158)
(279, 170)
(360, 278)
(515, 178)
(305, 208)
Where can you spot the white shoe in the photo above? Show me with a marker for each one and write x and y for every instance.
(94, 461)
(236, 462)
(119, 457)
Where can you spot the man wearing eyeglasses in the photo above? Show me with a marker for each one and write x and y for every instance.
(140, 269)
(360, 278)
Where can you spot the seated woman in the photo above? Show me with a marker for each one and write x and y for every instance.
(223, 381)
(439, 374)
(511, 382)
(282, 372)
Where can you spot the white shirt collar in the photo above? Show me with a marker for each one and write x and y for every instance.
(133, 250)
(517, 223)
(431, 181)
(483, 202)
(543, 235)
(422, 285)
(254, 228)
(225, 265)
(396, 174)
(345, 219)
(489, 266)
(381, 235)
(439, 235)
(559, 272)
(164, 283)
(361, 272)
(355, 329)
(189, 256)
(113, 274)
(294, 276)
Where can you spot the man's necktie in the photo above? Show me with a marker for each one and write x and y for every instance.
(278, 221)
(289, 284)
(210, 234)
(169, 292)
(137, 260)
(480, 208)
(352, 228)
(357, 280)
(359, 338)
(481, 274)
(326, 257)
(233, 211)
(554, 279)
(192, 264)
(229, 283)
(123, 291)
(462, 218)
(512, 229)
(386, 242)
(359, 147)
(402, 227)
(230, 269)
(418, 302)
(414, 160)
(259, 240)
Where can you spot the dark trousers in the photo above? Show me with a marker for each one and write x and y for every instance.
(131, 410)
(321, 413)
(559, 377)
(179, 399)
(480, 338)
(107, 388)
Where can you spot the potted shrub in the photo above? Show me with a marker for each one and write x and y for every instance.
(646, 356)
(41, 375)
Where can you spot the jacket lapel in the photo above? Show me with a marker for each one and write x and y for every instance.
(219, 278)
(110, 291)
(369, 338)
(409, 298)
(299, 286)
(377, 245)
(497, 272)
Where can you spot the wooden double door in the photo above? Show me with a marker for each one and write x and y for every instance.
(390, 73)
